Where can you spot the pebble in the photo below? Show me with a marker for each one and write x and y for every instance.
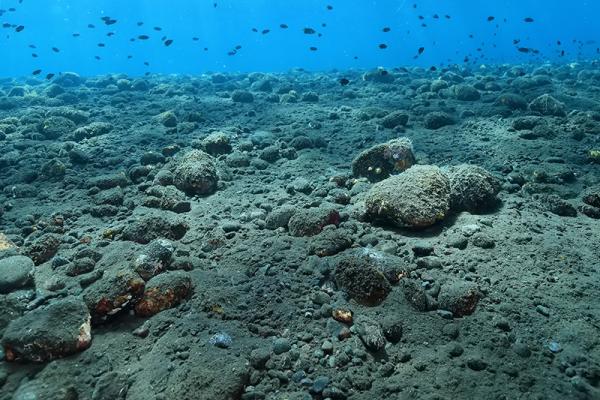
(476, 364)
(221, 339)
(281, 345)
(319, 385)
(554, 347)
(542, 310)
(521, 349)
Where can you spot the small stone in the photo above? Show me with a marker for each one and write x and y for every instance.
(281, 345)
(455, 350)
(521, 349)
(221, 339)
(16, 272)
(545, 311)
(259, 357)
(319, 385)
(476, 364)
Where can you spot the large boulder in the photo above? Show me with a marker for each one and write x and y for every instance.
(196, 174)
(383, 160)
(472, 188)
(417, 198)
(548, 105)
(46, 333)
(164, 291)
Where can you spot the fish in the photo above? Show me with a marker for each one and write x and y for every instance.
(101, 45)
(382, 46)
(91, 26)
(435, 16)
(157, 28)
(109, 34)
(19, 28)
(283, 26)
(36, 72)
(168, 42)
(238, 47)
(329, 7)
(231, 53)
(76, 34)
(516, 41)
(528, 19)
(491, 18)
(309, 31)
(146, 63)
(447, 16)
(421, 50)
(50, 76)
(312, 48)
(129, 57)
(143, 37)
(32, 46)
(97, 58)
(6, 25)
(265, 31)
(254, 30)
(140, 23)
(433, 68)
(386, 29)
(56, 49)
(344, 81)
(195, 39)
(524, 49)
(34, 55)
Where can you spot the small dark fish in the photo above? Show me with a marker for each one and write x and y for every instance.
(97, 58)
(109, 34)
(214, 5)
(55, 49)
(329, 7)
(421, 17)
(265, 31)
(386, 29)
(146, 63)
(323, 25)
(558, 42)
(110, 21)
(32, 46)
(129, 57)
(524, 49)
(101, 45)
(206, 49)
(528, 19)
(447, 16)
(313, 48)
(491, 18)
(421, 50)
(382, 46)
(283, 26)
(168, 42)
(516, 41)
(140, 23)
(157, 28)
(143, 37)
(319, 34)
(36, 72)
(162, 39)
(562, 53)
(344, 81)
(34, 55)
(50, 76)
(238, 47)
(309, 31)
(254, 30)
(195, 39)
(19, 28)
(6, 25)
(91, 26)
(435, 16)
(432, 68)
(12, 9)
(76, 34)
(232, 53)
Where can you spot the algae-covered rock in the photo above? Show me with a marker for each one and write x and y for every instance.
(196, 173)
(382, 160)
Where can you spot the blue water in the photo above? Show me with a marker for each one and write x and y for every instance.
(351, 34)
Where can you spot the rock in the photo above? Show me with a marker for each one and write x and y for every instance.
(217, 143)
(392, 328)
(416, 295)
(472, 188)
(279, 217)
(437, 119)
(150, 227)
(242, 96)
(378, 75)
(483, 241)
(237, 159)
(548, 105)
(310, 221)
(115, 292)
(155, 258)
(558, 206)
(370, 333)
(111, 386)
(476, 364)
(167, 198)
(16, 272)
(92, 130)
(511, 101)
(330, 242)
(152, 158)
(259, 357)
(395, 119)
(361, 275)
(55, 127)
(50, 332)
(417, 198)
(459, 297)
(310, 97)
(164, 291)
(281, 345)
(464, 92)
(221, 339)
(196, 174)
(68, 79)
(168, 119)
(591, 196)
(270, 153)
(382, 160)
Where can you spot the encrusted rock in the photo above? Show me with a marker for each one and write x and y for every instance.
(459, 297)
(16, 272)
(196, 173)
(309, 222)
(360, 273)
(548, 105)
(417, 198)
(164, 291)
(472, 188)
(155, 258)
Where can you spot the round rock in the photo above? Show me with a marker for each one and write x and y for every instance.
(15, 272)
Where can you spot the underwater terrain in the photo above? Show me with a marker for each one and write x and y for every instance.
(270, 232)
